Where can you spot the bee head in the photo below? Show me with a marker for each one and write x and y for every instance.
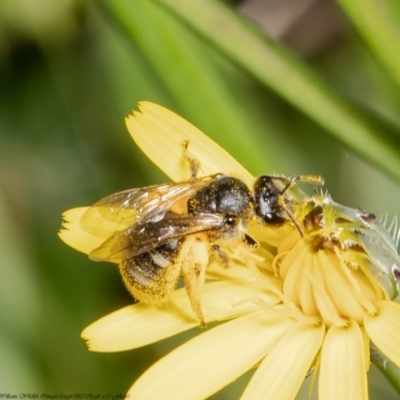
(266, 200)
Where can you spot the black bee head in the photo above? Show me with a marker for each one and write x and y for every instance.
(266, 196)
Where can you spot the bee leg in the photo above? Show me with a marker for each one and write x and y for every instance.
(221, 257)
(194, 163)
(250, 242)
(194, 272)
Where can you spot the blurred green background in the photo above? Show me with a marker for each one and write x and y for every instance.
(289, 86)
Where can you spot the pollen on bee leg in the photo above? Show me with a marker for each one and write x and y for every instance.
(194, 276)
(194, 262)
(221, 257)
(194, 163)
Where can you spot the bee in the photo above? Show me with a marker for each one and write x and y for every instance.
(172, 230)
(273, 201)
(164, 232)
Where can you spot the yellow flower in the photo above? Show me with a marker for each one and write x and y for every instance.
(313, 297)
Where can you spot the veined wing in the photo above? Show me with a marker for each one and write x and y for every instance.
(143, 237)
(149, 204)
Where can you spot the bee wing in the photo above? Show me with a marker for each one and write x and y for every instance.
(149, 204)
(140, 238)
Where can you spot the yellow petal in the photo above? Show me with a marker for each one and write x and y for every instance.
(343, 364)
(95, 230)
(283, 371)
(238, 272)
(210, 361)
(138, 325)
(339, 287)
(384, 329)
(271, 235)
(324, 303)
(292, 275)
(72, 234)
(160, 134)
(305, 287)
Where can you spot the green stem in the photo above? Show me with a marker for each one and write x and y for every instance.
(391, 372)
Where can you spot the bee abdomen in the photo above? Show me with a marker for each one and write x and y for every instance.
(151, 277)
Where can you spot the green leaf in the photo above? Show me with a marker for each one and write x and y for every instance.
(194, 75)
(288, 76)
(376, 22)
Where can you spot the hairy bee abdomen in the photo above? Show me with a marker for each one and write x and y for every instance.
(151, 277)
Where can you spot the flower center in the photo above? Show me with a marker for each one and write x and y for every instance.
(326, 278)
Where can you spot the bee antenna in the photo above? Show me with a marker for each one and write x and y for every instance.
(287, 211)
(315, 180)
(294, 220)
(290, 215)
(290, 184)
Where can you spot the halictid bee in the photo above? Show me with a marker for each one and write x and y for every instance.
(174, 229)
